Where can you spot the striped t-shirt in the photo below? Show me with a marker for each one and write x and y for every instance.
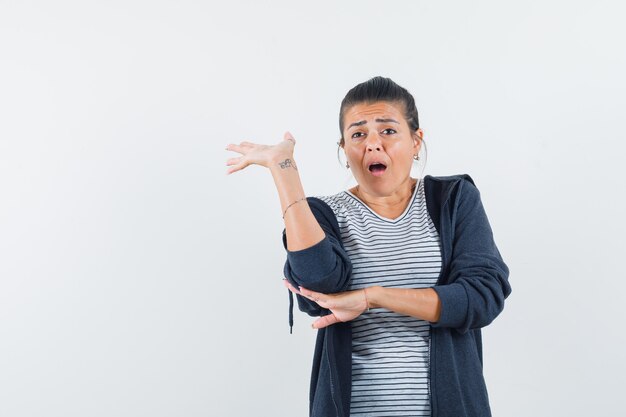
(390, 351)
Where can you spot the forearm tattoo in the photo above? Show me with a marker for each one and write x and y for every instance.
(288, 163)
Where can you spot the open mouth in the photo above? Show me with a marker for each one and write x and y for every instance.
(377, 168)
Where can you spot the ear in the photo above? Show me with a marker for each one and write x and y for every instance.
(418, 135)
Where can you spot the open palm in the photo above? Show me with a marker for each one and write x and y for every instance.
(344, 306)
(258, 154)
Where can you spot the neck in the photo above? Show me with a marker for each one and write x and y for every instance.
(398, 197)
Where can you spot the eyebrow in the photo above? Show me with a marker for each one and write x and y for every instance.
(362, 122)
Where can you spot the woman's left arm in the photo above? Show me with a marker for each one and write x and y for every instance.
(422, 303)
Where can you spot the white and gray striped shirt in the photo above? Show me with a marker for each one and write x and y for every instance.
(390, 351)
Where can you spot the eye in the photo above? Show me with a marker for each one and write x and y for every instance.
(390, 129)
(356, 133)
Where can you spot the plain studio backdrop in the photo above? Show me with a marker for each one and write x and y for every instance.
(137, 279)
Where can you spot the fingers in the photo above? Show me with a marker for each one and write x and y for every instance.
(318, 297)
(289, 136)
(237, 163)
(236, 168)
(233, 161)
(239, 148)
(291, 287)
(325, 321)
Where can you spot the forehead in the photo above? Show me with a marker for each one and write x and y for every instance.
(378, 109)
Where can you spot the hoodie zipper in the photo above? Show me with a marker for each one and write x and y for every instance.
(332, 393)
(431, 350)
(332, 382)
(430, 391)
(432, 334)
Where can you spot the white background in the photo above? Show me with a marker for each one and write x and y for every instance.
(137, 279)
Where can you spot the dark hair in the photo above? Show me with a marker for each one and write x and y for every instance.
(379, 89)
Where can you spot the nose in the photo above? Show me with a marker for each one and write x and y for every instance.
(373, 143)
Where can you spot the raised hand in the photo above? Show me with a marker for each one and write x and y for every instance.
(344, 306)
(264, 155)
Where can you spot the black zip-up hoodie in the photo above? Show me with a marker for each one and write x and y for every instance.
(472, 287)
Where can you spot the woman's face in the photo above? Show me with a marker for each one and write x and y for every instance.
(378, 132)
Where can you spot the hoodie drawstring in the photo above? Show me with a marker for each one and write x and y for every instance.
(290, 311)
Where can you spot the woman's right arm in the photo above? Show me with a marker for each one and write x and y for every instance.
(302, 229)
(315, 255)
(315, 258)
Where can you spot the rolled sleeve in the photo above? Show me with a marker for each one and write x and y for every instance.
(314, 262)
(324, 267)
(454, 303)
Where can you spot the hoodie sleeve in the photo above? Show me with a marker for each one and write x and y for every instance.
(478, 277)
(324, 267)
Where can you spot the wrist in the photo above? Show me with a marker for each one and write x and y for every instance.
(374, 295)
(282, 161)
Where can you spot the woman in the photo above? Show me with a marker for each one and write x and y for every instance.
(403, 272)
